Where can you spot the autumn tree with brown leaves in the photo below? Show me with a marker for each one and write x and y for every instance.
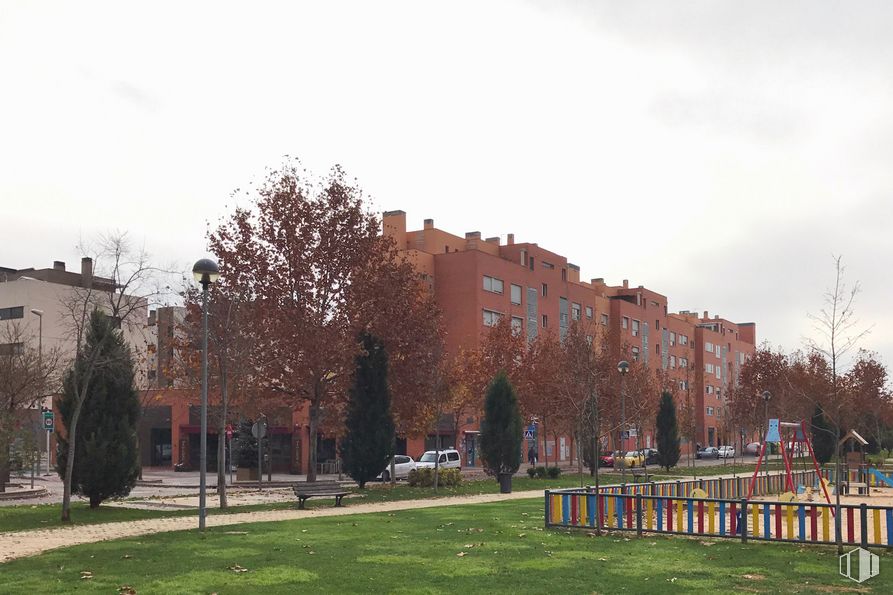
(319, 272)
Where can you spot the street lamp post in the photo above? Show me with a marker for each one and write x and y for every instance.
(39, 314)
(767, 396)
(623, 368)
(204, 271)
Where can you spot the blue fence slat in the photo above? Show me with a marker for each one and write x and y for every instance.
(691, 516)
(660, 514)
(722, 518)
(766, 532)
(566, 509)
(801, 514)
(619, 511)
(890, 526)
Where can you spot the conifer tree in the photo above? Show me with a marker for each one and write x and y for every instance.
(501, 430)
(369, 443)
(667, 433)
(822, 437)
(106, 462)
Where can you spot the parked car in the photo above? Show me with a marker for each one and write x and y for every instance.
(752, 448)
(403, 464)
(726, 452)
(633, 458)
(449, 459)
(607, 460)
(711, 452)
(650, 456)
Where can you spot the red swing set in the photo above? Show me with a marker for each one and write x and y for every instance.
(795, 433)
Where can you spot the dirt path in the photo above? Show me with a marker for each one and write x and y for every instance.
(21, 544)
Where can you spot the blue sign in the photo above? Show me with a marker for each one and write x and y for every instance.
(772, 435)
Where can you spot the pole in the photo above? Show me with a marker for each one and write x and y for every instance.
(260, 463)
(766, 433)
(40, 365)
(203, 464)
(622, 424)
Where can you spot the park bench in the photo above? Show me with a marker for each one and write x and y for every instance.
(640, 473)
(313, 489)
(861, 488)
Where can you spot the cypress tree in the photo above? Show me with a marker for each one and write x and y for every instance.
(501, 428)
(106, 462)
(667, 433)
(369, 443)
(822, 437)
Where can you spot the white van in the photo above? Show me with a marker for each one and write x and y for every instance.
(449, 459)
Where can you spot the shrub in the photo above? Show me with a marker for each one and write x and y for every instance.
(553, 472)
(424, 478)
(540, 472)
(531, 471)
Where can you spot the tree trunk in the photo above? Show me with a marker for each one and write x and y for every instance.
(393, 465)
(69, 461)
(545, 443)
(314, 426)
(221, 444)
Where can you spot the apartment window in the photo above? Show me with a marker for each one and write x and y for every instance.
(635, 328)
(683, 339)
(545, 321)
(717, 350)
(718, 393)
(710, 411)
(625, 322)
(531, 263)
(718, 372)
(589, 312)
(548, 265)
(683, 362)
(492, 284)
(576, 311)
(683, 384)
(11, 313)
(709, 368)
(491, 318)
(517, 326)
(672, 339)
(545, 290)
(564, 274)
(672, 362)
(709, 389)
(708, 346)
(516, 294)
(604, 320)
(635, 352)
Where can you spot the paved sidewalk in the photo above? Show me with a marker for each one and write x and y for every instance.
(22, 544)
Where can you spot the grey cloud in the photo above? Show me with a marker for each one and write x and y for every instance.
(135, 95)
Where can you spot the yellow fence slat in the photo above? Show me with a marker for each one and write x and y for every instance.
(649, 522)
(877, 526)
(789, 517)
(755, 520)
(826, 524)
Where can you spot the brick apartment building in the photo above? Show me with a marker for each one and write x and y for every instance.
(478, 280)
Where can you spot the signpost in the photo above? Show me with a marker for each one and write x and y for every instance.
(229, 440)
(49, 424)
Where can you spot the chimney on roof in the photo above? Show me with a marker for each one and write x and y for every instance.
(58, 265)
(493, 240)
(599, 280)
(152, 318)
(626, 284)
(472, 235)
(87, 271)
(510, 239)
(429, 223)
(706, 315)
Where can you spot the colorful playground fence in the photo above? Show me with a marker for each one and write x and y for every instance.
(721, 488)
(799, 522)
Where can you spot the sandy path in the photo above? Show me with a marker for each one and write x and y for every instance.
(21, 544)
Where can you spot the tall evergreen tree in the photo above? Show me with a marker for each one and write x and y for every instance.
(106, 462)
(823, 439)
(501, 430)
(667, 433)
(369, 443)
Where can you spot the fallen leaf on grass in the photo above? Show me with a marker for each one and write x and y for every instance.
(672, 580)
(602, 559)
(86, 574)
(754, 577)
(126, 590)
(522, 535)
(461, 554)
(235, 532)
(126, 557)
(708, 543)
(237, 569)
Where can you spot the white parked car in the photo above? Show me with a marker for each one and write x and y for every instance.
(403, 464)
(449, 459)
(726, 452)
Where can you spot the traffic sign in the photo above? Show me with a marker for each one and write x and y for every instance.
(528, 434)
(229, 431)
(259, 429)
(48, 421)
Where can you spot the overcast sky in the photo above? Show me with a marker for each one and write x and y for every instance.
(716, 152)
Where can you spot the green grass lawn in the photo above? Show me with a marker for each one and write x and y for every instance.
(26, 517)
(482, 548)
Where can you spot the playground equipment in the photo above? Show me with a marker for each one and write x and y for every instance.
(796, 434)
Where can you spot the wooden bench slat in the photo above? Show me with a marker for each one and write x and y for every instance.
(322, 488)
